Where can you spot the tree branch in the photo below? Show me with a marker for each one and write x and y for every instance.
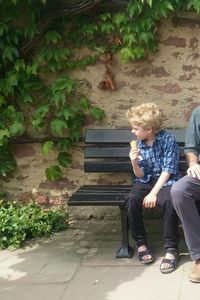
(51, 16)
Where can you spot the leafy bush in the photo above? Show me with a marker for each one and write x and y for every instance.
(22, 222)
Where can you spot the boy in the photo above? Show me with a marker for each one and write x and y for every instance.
(155, 166)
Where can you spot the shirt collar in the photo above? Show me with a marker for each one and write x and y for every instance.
(158, 137)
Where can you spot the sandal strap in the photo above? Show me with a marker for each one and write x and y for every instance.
(172, 261)
(141, 255)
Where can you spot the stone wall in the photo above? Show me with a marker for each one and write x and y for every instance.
(169, 77)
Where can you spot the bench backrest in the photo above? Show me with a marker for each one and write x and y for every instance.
(107, 150)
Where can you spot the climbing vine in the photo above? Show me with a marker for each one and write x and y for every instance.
(40, 39)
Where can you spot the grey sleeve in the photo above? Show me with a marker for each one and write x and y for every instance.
(192, 139)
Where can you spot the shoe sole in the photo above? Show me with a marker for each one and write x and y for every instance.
(167, 271)
(149, 261)
(194, 280)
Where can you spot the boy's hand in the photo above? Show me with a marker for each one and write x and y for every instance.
(133, 154)
(150, 201)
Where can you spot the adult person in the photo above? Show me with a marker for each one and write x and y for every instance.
(185, 193)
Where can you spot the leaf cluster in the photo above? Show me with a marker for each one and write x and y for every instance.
(22, 222)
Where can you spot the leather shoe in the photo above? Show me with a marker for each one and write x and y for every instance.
(195, 272)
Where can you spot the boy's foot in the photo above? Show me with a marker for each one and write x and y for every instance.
(144, 254)
(168, 263)
(195, 272)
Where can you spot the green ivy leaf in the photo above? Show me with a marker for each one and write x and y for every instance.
(75, 135)
(52, 36)
(40, 115)
(16, 128)
(170, 6)
(107, 28)
(134, 9)
(63, 83)
(106, 16)
(42, 110)
(3, 28)
(10, 82)
(4, 133)
(89, 29)
(32, 69)
(2, 100)
(58, 98)
(64, 159)
(19, 65)
(30, 30)
(53, 173)
(7, 166)
(145, 37)
(127, 54)
(150, 2)
(46, 54)
(10, 53)
(129, 39)
(47, 147)
(61, 54)
(66, 113)
(64, 145)
(97, 113)
(58, 126)
(85, 103)
(119, 18)
(139, 52)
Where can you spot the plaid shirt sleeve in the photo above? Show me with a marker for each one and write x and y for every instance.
(171, 155)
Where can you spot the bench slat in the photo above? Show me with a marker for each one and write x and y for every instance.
(88, 188)
(98, 200)
(111, 136)
(118, 166)
(117, 152)
(106, 152)
(108, 166)
(116, 136)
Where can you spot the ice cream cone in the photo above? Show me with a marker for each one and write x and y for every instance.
(133, 144)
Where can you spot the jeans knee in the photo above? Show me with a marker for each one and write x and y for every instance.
(177, 194)
(175, 190)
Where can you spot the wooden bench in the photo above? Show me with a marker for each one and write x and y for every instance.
(107, 150)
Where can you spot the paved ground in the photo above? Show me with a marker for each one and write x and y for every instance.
(80, 264)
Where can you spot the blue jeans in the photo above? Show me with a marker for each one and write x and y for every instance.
(185, 195)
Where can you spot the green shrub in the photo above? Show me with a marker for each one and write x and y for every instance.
(22, 222)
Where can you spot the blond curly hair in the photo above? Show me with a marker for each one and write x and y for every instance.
(146, 115)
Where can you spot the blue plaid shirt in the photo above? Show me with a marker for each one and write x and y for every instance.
(162, 156)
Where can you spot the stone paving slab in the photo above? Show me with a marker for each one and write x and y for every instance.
(31, 292)
(80, 263)
(117, 283)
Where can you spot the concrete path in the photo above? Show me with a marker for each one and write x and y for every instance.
(80, 264)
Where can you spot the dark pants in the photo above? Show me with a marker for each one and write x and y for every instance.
(185, 196)
(135, 215)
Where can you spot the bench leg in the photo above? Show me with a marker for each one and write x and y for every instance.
(125, 250)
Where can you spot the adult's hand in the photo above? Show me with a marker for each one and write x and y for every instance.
(194, 171)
